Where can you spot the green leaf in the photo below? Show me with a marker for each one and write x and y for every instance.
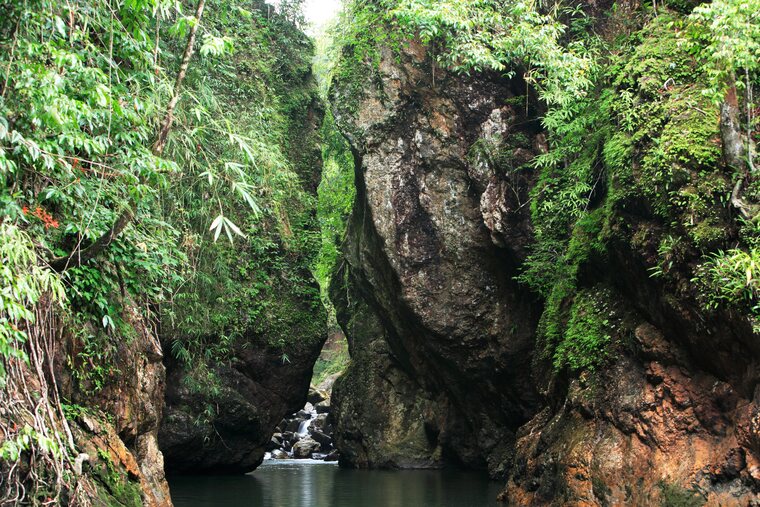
(234, 229)
(60, 26)
(217, 226)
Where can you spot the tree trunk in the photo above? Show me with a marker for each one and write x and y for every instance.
(80, 256)
(730, 130)
(166, 125)
(733, 147)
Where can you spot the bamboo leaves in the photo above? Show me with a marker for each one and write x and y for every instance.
(222, 223)
(216, 46)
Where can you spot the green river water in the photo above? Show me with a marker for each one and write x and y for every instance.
(303, 483)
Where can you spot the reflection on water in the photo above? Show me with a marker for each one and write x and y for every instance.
(316, 484)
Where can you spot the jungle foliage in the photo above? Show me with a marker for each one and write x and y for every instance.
(633, 120)
(217, 233)
(84, 91)
(211, 236)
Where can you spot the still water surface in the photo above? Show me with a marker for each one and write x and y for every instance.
(300, 483)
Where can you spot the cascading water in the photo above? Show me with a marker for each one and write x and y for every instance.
(305, 435)
(303, 428)
(301, 432)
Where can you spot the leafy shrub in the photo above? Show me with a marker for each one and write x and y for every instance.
(730, 280)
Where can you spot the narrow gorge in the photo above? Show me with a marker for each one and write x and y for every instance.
(379, 252)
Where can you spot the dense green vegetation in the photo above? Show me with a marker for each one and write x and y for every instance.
(245, 285)
(632, 122)
(78, 118)
(80, 101)
(215, 231)
(213, 235)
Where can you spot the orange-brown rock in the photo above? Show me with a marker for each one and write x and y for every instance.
(132, 398)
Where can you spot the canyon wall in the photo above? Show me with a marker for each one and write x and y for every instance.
(426, 296)
(449, 364)
(222, 408)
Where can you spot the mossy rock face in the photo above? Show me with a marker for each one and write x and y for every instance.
(607, 322)
(111, 472)
(426, 294)
(117, 490)
(672, 495)
(122, 416)
(625, 319)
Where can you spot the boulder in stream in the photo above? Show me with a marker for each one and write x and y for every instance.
(316, 396)
(292, 425)
(325, 441)
(320, 423)
(273, 444)
(304, 448)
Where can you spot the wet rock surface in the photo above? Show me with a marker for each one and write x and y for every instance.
(134, 400)
(305, 448)
(311, 436)
(439, 335)
(642, 430)
(316, 396)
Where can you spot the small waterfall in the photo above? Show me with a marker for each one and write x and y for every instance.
(305, 435)
(303, 428)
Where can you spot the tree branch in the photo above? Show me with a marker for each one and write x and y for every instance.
(166, 125)
(79, 257)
